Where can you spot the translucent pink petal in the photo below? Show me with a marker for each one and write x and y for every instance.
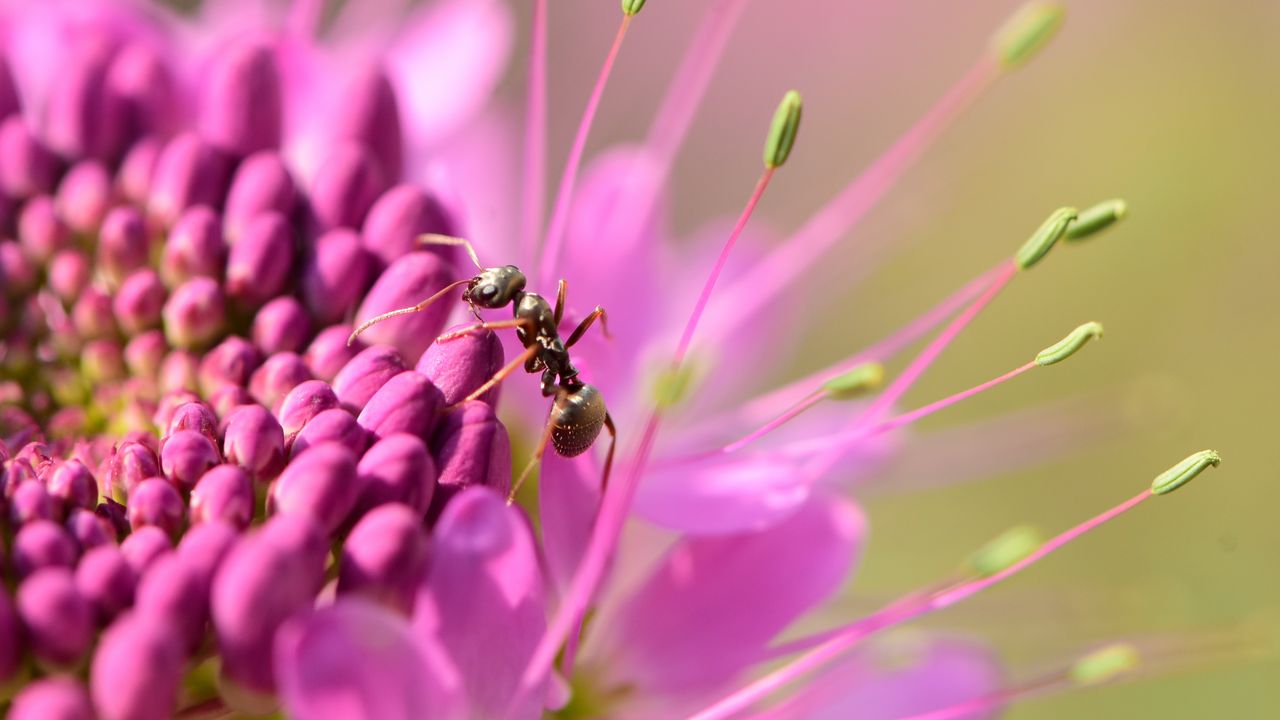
(737, 494)
(903, 675)
(454, 49)
(568, 497)
(355, 660)
(712, 605)
(483, 599)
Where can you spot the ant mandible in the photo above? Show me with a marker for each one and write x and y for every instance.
(578, 412)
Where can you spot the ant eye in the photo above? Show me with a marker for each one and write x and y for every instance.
(488, 291)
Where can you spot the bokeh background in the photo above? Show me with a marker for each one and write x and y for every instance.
(1171, 104)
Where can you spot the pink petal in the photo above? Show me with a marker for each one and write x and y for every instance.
(902, 675)
(483, 599)
(711, 606)
(355, 660)
(737, 494)
(569, 498)
(452, 49)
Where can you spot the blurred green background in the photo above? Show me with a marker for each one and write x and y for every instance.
(1171, 104)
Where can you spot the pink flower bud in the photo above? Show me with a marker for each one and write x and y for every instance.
(87, 530)
(140, 302)
(144, 546)
(240, 110)
(59, 621)
(58, 697)
(320, 482)
(138, 168)
(123, 245)
(195, 313)
(73, 484)
(188, 172)
(407, 403)
(260, 262)
(345, 187)
(137, 668)
(406, 282)
(335, 275)
(254, 440)
(106, 580)
(83, 117)
(396, 469)
(282, 325)
(333, 425)
(329, 351)
(186, 455)
(471, 447)
(278, 375)
(397, 219)
(462, 365)
(41, 230)
(371, 118)
(303, 403)
(156, 503)
(365, 374)
(261, 185)
(194, 247)
(27, 166)
(172, 588)
(85, 195)
(223, 494)
(230, 362)
(69, 274)
(385, 557)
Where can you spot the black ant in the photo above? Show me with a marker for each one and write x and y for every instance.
(578, 412)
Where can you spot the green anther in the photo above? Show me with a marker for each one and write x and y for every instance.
(631, 7)
(1105, 664)
(855, 383)
(1069, 345)
(1184, 472)
(782, 134)
(1009, 547)
(1041, 242)
(1028, 30)
(1097, 218)
(672, 385)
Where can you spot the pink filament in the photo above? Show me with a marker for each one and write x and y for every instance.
(770, 276)
(564, 198)
(896, 613)
(535, 132)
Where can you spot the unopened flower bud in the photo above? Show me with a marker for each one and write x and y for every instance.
(282, 325)
(93, 316)
(186, 455)
(1069, 345)
(17, 270)
(303, 403)
(188, 172)
(204, 547)
(156, 503)
(254, 440)
(345, 187)
(123, 245)
(131, 463)
(83, 117)
(84, 196)
(144, 546)
(30, 501)
(69, 274)
(399, 217)
(260, 262)
(195, 313)
(276, 377)
(1185, 471)
(337, 271)
(137, 668)
(406, 282)
(172, 588)
(52, 698)
(461, 366)
(783, 131)
(396, 469)
(1097, 218)
(241, 107)
(329, 352)
(407, 403)
(140, 301)
(140, 77)
(102, 361)
(58, 620)
(230, 362)
(371, 118)
(385, 557)
(471, 447)
(1042, 241)
(41, 231)
(88, 530)
(227, 398)
(365, 374)
(179, 373)
(74, 485)
(225, 494)
(194, 247)
(138, 168)
(168, 407)
(333, 425)
(27, 166)
(105, 579)
(320, 482)
(262, 185)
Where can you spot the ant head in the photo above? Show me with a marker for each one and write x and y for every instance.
(495, 287)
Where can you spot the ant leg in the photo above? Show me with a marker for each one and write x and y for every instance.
(497, 377)
(586, 323)
(608, 458)
(499, 325)
(403, 311)
(437, 239)
(536, 460)
(560, 291)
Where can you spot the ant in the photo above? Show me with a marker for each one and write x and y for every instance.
(578, 412)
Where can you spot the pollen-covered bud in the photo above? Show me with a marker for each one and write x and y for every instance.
(254, 440)
(471, 447)
(186, 455)
(1185, 471)
(399, 218)
(137, 668)
(195, 313)
(396, 469)
(282, 325)
(52, 698)
(140, 301)
(329, 352)
(58, 620)
(1043, 239)
(368, 371)
(241, 109)
(320, 482)
(276, 377)
(345, 187)
(385, 557)
(156, 503)
(194, 247)
(262, 185)
(407, 403)
(260, 261)
(188, 172)
(783, 131)
(333, 425)
(406, 282)
(460, 366)
(1026, 32)
(84, 196)
(335, 275)
(223, 494)
(1069, 345)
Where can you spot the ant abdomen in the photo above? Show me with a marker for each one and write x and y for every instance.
(576, 419)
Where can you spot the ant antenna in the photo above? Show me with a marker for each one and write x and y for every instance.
(437, 239)
(403, 311)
